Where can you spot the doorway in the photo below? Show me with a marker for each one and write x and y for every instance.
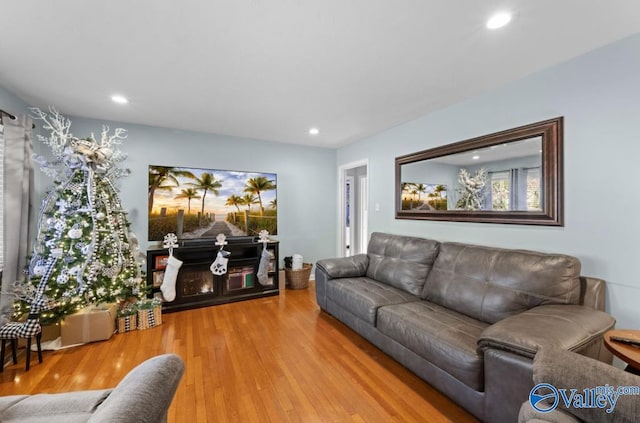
(353, 216)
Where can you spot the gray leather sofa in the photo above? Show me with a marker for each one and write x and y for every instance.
(467, 319)
(142, 396)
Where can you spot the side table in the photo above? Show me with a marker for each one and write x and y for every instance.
(628, 353)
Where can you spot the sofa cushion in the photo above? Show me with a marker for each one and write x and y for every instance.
(363, 296)
(401, 261)
(490, 284)
(8, 401)
(443, 337)
(69, 407)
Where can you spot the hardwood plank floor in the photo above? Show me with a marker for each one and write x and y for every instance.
(276, 359)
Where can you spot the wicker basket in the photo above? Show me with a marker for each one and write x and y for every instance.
(298, 279)
(148, 318)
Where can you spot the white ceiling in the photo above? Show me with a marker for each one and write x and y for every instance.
(271, 69)
(495, 153)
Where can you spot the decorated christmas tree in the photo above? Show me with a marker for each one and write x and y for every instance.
(84, 251)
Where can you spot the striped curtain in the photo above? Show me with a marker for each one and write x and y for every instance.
(1, 197)
(17, 195)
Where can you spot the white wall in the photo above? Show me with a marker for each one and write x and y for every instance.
(307, 219)
(599, 96)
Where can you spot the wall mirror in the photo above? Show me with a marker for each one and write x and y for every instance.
(512, 176)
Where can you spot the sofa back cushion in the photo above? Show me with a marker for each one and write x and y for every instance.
(401, 261)
(490, 284)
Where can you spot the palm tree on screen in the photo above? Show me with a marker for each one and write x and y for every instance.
(248, 200)
(257, 186)
(234, 201)
(164, 178)
(420, 189)
(189, 194)
(206, 183)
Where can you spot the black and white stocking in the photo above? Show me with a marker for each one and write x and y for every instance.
(219, 266)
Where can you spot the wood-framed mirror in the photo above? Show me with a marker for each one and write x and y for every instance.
(513, 176)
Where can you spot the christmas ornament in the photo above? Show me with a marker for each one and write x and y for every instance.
(75, 232)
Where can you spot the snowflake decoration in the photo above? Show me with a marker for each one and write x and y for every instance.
(170, 241)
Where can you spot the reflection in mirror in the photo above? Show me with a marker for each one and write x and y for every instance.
(501, 177)
(513, 176)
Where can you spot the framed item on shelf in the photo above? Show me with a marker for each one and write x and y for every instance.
(158, 277)
(161, 262)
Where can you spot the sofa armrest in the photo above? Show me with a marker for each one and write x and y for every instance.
(570, 371)
(568, 327)
(529, 415)
(344, 267)
(144, 394)
(592, 292)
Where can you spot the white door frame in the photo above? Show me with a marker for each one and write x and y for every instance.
(342, 170)
(352, 217)
(364, 211)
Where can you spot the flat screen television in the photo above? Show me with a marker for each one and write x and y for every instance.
(197, 203)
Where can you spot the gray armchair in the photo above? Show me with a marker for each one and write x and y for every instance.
(143, 396)
(566, 370)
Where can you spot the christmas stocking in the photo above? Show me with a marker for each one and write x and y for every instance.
(219, 266)
(168, 286)
(263, 267)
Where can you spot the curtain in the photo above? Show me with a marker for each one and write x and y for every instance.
(487, 194)
(18, 200)
(518, 184)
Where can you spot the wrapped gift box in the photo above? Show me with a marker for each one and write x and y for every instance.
(149, 318)
(50, 332)
(93, 323)
(127, 323)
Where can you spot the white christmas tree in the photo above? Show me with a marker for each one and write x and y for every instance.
(471, 189)
(84, 252)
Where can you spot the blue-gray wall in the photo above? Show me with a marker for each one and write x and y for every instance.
(599, 96)
(307, 176)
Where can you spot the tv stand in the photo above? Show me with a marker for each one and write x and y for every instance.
(197, 287)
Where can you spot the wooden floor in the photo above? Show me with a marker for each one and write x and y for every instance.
(275, 359)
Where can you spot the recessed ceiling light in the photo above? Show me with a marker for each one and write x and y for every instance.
(120, 99)
(499, 20)
(314, 131)
(475, 157)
